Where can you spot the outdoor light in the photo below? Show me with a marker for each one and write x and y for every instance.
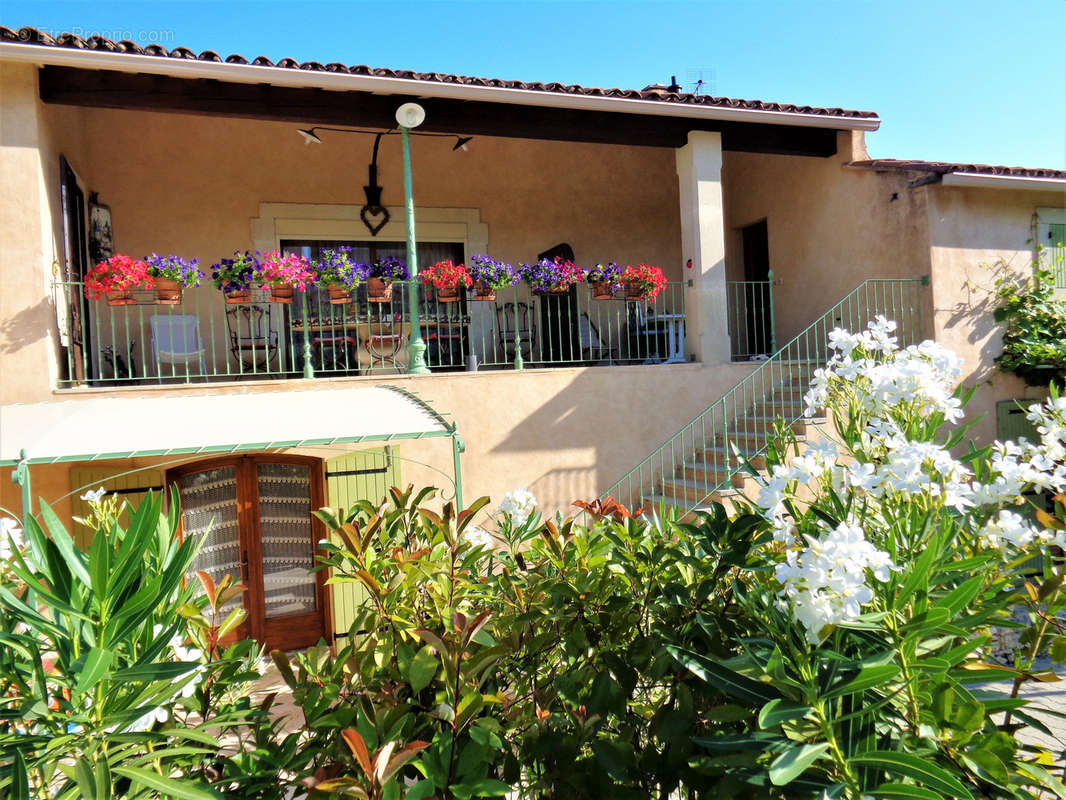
(410, 115)
(309, 136)
(460, 143)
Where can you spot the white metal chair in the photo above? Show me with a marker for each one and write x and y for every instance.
(176, 340)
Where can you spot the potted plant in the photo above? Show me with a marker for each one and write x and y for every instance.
(490, 276)
(283, 274)
(605, 279)
(381, 275)
(172, 275)
(445, 277)
(1034, 319)
(235, 276)
(339, 274)
(117, 277)
(552, 276)
(643, 282)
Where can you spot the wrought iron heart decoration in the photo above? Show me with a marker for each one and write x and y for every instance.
(375, 218)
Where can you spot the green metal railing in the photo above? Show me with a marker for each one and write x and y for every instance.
(751, 318)
(699, 460)
(205, 339)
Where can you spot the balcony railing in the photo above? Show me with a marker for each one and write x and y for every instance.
(752, 333)
(204, 338)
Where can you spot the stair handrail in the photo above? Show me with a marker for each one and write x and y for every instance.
(874, 296)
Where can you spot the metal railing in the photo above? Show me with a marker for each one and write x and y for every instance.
(699, 460)
(751, 318)
(203, 338)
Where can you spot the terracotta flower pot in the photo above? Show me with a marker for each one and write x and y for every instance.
(237, 295)
(634, 292)
(339, 295)
(281, 293)
(448, 294)
(484, 291)
(378, 290)
(553, 290)
(602, 290)
(120, 297)
(167, 292)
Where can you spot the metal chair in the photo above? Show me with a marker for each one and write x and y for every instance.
(335, 354)
(593, 348)
(176, 340)
(512, 316)
(253, 340)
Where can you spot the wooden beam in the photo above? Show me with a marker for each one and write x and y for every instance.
(109, 89)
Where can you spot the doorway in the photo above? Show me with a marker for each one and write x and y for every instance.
(756, 248)
(255, 512)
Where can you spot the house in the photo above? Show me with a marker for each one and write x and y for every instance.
(763, 216)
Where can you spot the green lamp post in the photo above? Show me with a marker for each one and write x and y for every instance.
(408, 116)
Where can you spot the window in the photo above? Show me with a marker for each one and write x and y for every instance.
(1051, 238)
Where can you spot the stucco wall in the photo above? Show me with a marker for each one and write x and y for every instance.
(971, 231)
(829, 227)
(566, 434)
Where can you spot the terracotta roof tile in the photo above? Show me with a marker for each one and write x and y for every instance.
(944, 167)
(35, 36)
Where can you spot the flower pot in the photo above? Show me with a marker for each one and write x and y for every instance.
(484, 291)
(553, 290)
(602, 290)
(120, 297)
(281, 293)
(378, 291)
(339, 295)
(447, 294)
(237, 295)
(634, 292)
(167, 292)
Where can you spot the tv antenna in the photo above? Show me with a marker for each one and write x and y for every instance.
(702, 80)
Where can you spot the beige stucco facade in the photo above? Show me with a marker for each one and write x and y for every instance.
(204, 186)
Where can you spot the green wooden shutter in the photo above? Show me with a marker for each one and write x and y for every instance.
(360, 475)
(130, 487)
(1055, 250)
(1011, 422)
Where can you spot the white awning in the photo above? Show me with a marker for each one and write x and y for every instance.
(95, 428)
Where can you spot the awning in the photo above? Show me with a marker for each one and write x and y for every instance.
(96, 428)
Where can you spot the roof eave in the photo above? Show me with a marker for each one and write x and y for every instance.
(330, 81)
(1003, 181)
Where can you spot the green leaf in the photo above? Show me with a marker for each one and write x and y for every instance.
(74, 558)
(159, 671)
(863, 680)
(83, 775)
(911, 766)
(986, 765)
(905, 791)
(20, 781)
(99, 566)
(615, 757)
(183, 790)
(723, 678)
(97, 662)
(777, 711)
(962, 595)
(423, 668)
(791, 763)
(1043, 778)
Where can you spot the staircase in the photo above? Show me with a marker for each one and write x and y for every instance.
(700, 463)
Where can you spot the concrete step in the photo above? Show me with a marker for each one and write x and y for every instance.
(682, 489)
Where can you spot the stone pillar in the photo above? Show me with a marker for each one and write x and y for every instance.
(699, 175)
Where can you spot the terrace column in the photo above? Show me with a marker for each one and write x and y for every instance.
(699, 176)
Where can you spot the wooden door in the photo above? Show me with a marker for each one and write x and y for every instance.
(255, 514)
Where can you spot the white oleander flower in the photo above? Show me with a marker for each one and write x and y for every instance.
(519, 504)
(10, 532)
(94, 495)
(477, 537)
(1008, 530)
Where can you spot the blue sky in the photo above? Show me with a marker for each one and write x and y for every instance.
(952, 80)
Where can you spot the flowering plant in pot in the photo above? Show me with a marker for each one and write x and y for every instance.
(283, 274)
(381, 275)
(605, 279)
(235, 276)
(339, 273)
(643, 281)
(117, 277)
(490, 276)
(552, 276)
(171, 275)
(445, 276)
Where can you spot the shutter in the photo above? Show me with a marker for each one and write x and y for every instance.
(1055, 247)
(130, 487)
(1011, 422)
(360, 475)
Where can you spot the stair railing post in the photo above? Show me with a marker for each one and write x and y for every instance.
(773, 325)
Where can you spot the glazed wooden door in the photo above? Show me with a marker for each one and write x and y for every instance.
(256, 514)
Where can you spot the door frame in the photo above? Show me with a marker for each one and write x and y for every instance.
(279, 633)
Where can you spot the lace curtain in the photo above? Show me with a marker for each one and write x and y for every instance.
(209, 506)
(286, 539)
